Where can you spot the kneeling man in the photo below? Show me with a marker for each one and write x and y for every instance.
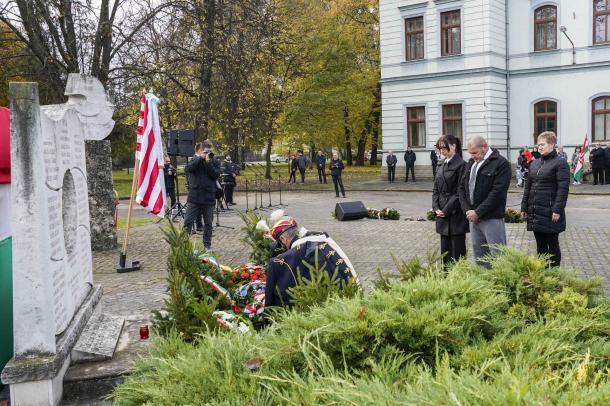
(284, 268)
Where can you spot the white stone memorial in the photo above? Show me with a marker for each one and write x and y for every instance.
(53, 292)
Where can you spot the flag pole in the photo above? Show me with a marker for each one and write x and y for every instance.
(124, 265)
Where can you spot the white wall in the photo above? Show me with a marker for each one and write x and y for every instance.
(482, 36)
(573, 91)
(575, 15)
(483, 109)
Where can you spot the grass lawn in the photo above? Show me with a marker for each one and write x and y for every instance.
(136, 222)
(122, 179)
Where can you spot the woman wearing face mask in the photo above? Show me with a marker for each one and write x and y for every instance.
(451, 222)
(545, 196)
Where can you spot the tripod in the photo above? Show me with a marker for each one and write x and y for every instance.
(178, 208)
(218, 205)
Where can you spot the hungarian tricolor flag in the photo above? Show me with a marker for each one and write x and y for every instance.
(578, 171)
(149, 151)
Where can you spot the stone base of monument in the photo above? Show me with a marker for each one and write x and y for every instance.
(89, 383)
(37, 379)
(99, 339)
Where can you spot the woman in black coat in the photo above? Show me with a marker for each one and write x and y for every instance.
(451, 222)
(545, 196)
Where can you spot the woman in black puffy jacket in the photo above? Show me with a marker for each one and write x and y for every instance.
(545, 196)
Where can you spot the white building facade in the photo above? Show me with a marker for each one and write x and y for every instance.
(505, 70)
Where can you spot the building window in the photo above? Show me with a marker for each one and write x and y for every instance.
(545, 118)
(414, 40)
(451, 33)
(545, 28)
(416, 126)
(601, 119)
(601, 21)
(452, 120)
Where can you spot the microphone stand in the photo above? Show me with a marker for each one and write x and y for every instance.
(259, 181)
(268, 190)
(247, 208)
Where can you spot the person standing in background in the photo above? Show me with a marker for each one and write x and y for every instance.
(535, 152)
(229, 179)
(607, 151)
(483, 193)
(302, 163)
(562, 154)
(451, 222)
(434, 161)
(391, 161)
(293, 169)
(410, 158)
(336, 170)
(321, 164)
(597, 157)
(574, 163)
(169, 173)
(545, 197)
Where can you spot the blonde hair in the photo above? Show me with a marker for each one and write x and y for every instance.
(549, 137)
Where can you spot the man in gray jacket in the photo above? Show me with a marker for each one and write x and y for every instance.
(302, 163)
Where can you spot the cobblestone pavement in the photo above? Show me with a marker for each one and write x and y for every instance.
(369, 243)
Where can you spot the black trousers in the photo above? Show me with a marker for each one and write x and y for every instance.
(608, 175)
(453, 247)
(194, 211)
(412, 169)
(172, 197)
(548, 243)
(302, 170)
(322, 174)
(598, 176)
(434, 166)
(293, 177)
(391, 173)
(338, 184)
(229, 193)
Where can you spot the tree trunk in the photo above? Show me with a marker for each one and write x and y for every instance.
(376, 124)
(205, 72)
(348, 137)
(268, 157)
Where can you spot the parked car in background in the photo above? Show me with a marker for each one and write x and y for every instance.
(278, 158)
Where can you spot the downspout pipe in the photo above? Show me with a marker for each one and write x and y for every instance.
(507, 81)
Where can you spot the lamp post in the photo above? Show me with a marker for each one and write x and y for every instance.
(565, 32)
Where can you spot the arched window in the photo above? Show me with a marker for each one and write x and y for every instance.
(545, 28)
(545, 117)
(601, 21)
(601, 119)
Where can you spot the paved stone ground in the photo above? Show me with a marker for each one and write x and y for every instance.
(369, 243)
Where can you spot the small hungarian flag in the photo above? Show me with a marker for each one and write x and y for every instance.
(578, 171)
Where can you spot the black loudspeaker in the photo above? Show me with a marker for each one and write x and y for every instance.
(350, 211)
(181, 143)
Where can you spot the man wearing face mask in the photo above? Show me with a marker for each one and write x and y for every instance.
(202, 171)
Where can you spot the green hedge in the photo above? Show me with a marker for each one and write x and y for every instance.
(522, 333)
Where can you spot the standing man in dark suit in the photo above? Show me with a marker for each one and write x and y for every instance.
(321, 165)
(302, 162)
(391, 161)
(597, 156)
(434, 161)
(203, 170)
(229, 171)
(483, 192)
(410, 158)
(607, 151)
(169, 173)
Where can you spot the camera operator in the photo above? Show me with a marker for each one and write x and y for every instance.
(229, 174)
(202, 171)
(169, 173)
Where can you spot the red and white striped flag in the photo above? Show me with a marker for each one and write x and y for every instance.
(149, 150)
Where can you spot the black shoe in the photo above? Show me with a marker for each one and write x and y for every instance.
(337, 196)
